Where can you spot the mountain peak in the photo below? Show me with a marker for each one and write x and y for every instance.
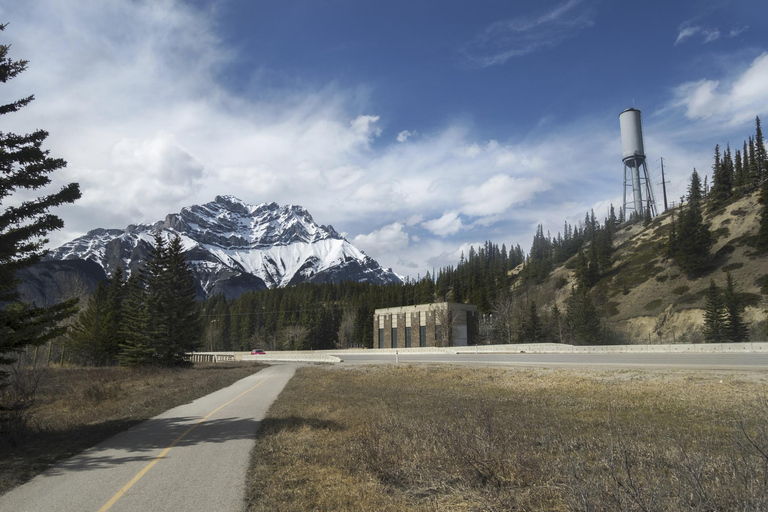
(228, 240)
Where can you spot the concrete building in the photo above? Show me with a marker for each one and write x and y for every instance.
(442, 324)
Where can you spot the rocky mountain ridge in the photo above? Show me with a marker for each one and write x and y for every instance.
(234, 247)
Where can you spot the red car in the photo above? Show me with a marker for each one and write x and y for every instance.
(257, 352)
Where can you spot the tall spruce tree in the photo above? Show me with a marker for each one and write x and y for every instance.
(736, 330)
(136, 348)
(739, 177)
(753, 171)
(162, 318)
(94, 337)
(181, 308)
(671, 248)
(532, 328)
(25, 166)
(714, 315)
(582, 317)
(721, 181)
(693, 239)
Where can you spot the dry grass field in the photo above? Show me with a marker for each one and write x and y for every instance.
(448, 438)
(71, 409)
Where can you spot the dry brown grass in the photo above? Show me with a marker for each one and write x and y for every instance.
(434, 438)
(75, 408)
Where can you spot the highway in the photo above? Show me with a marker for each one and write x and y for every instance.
(191, 458)
(701, 361)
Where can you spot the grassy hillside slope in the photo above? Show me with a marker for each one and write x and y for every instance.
(645, 298)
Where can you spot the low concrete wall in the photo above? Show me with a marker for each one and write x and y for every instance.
(332, 356)
(559, 348)
(283, 357)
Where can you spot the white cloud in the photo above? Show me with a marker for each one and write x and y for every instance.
(515, 37)
(403, 135)
(388, 239)
(711, 35)
(734, 102)
(449, 224)
(686, 31)
(498, 194)
(735, 32)
(365, 127)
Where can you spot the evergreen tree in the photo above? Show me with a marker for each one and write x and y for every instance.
(582, 272)
(745, 166)
(116, 292)
(93, 338)
(761, 159)
(721, 181)
(25, 166)
(695, 193)
(739, 177)
(611, 223)
(753, 170)
(532, 329)
(693, 239)
(714, 315)
(735, 329)
(136, 348)
(582, 317)
(178, 307)
(153, 276)
(558, 325)
(672, 239)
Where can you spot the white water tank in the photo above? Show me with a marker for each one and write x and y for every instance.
(631, 137)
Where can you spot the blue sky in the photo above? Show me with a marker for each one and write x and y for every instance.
(415, 128)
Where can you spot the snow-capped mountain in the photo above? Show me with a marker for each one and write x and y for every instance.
(235, 247)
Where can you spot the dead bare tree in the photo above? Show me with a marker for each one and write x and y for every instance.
(347, 330)
(504, 319)
(294, 337)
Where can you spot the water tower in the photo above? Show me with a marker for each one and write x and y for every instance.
(635, 167)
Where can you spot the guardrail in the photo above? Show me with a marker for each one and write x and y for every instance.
(210, 357)
(274, 357)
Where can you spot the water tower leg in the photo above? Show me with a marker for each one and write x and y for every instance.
(638, 191)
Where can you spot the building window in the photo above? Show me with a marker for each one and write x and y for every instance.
(423, 336)
(381, 338)
(407, 337)
(394, 337)
(438, 336)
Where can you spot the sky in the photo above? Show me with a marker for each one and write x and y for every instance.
(415, 128)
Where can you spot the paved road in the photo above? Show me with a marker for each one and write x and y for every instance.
(744, 361)
(190, 458)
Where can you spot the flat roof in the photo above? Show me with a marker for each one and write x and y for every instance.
(426, 307)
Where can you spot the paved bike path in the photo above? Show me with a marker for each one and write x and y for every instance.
(190, 458)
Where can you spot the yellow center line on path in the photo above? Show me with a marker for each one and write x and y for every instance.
(149, 466)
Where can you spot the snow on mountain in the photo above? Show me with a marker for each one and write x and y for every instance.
(234, 247)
